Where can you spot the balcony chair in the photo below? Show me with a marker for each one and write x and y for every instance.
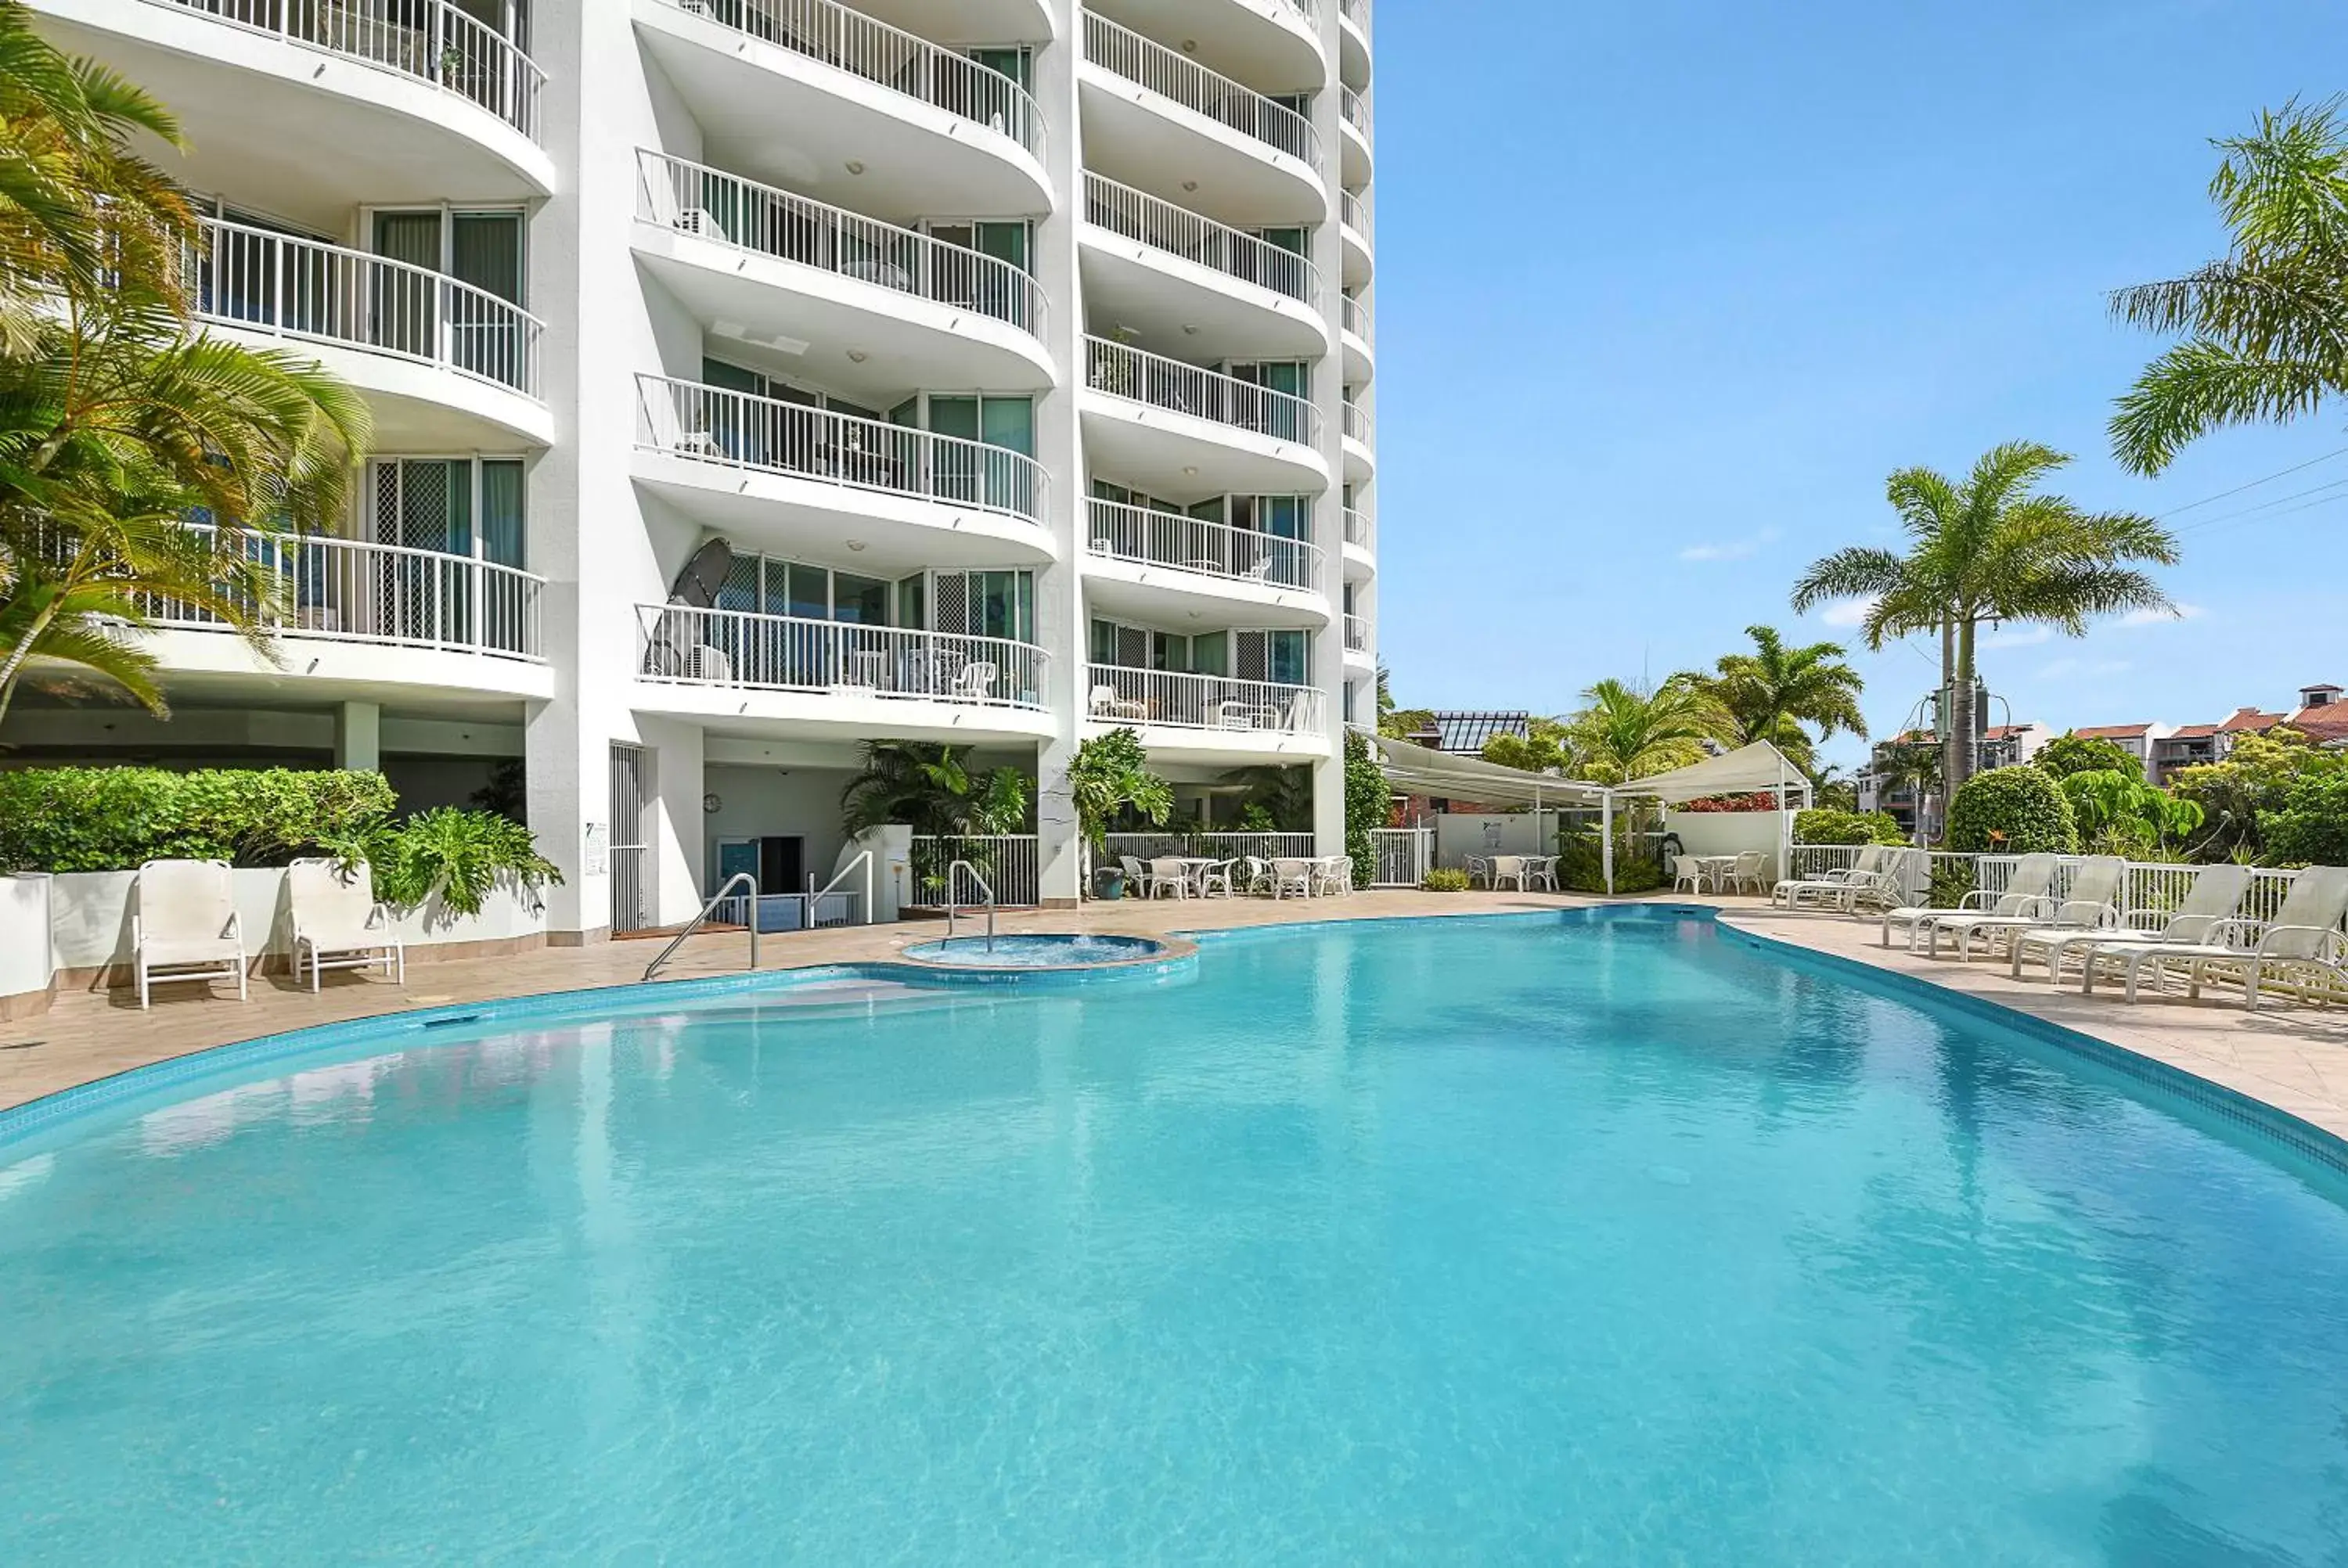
(973, 683)
(1106, 703)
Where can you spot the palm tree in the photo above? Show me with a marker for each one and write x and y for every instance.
(2266, 325)
(1990, 548)
(1625, 732)
(1772, 693)
(1110, 775)
(119, 419)
(1912, 767)
(934, 790)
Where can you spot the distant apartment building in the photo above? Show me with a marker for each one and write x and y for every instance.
(2001, 746)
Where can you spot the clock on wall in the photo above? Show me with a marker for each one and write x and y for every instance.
(710, 803)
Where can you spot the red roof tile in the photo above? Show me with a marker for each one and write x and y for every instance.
(2194, 733)
(2326, 722)
(2111, 731)
(2250, 720)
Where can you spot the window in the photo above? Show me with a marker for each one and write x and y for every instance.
(430, 504)
(1014, 62)
(769, 585)
(1278, 416)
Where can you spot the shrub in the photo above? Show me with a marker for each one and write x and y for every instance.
(1444, 879)
(2311, 828)
(1580, 868)
(111, 819)
(1825, 825)
(2012, 810)
(2071, 753)
(1369, 801)
(1951, 880)
(458, 855)
(1764, 801)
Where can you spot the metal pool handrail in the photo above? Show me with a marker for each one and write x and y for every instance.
(696, 923)
(961, 865)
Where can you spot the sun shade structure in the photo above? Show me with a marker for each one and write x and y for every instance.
(1749, 770)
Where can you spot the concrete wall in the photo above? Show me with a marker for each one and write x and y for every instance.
(24, 967)
(1457, 837)
(791, 802)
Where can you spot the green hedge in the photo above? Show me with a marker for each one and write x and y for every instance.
(1582, 869)
(2311, 828)
(1825, 825)
(2012, 810)
(111, 819)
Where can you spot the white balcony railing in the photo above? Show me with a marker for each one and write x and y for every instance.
(1210, 844)
(261, 281)
(354, 590)
(1358, 424)
(1122, 696)
(682, 646)
(1177, 76)
(1007, 861)
(735, 430)
(1354, 209)
(1178, 231)
(1139, 534)
(698, 200)
(1123, 370)
(1358, 634)
(1361, 528)
(1356, 316)
(1358, 12)
(1354, 109)
(888, 56)
(430, 40)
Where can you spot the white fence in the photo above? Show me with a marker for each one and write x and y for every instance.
(1152, 537)
(1358, 634)
(1005, 862)
(679, 644)
(1148, 846)
(1120, 695)
(1404, 855)
(1175, 76)
(1358, 425)
(1353, 109)
(696, 199)
(1355, 316)
(1358, 12)
(737, 430)
(1353, 211)
(1178, 231)
(1360, 529)
(2147, 889)
(428, 39)
(851, 41)
(260, 281)
(788, 911)
(354, 590)
(1123, 370)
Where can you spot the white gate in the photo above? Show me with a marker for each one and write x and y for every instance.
(1404, 855)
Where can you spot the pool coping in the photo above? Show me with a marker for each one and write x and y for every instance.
(21, 1123)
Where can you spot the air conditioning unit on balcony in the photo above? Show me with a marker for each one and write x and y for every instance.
(700, 221)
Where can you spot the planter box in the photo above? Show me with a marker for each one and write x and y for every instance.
(27, 976)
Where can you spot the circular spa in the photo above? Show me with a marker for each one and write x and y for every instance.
(1040, 950)
(1613, 1237)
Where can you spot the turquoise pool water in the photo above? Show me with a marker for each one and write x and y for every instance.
(1515, 1241)
(1035, 952)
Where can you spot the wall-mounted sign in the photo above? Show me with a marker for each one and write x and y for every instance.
(597, 861)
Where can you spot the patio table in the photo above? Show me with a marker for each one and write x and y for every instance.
(1710, 868)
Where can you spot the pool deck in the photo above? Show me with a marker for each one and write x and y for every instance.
(2291, 1057)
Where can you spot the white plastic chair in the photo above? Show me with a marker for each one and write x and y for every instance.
(1167, 874)
(1752, 869)
(1291, 876)
(1104, 703)
(1333, 875)
(338, 924)
(186, 924)
(1479, 865)
(975, 683)
(1509, 868)
(1219, 879)
(1688, 870)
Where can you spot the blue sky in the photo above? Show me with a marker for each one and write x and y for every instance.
(1665, 290)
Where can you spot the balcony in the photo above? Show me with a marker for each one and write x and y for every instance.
(444, 365)
(787, 476)
(827, 96)
(1354, 245)
(1274, 44)
(861, 679)
(1178, 430)
(460, 622)
(1361, 546)
(1163, 566)
(1354, 42)
(892, 307)
(1354, 121)
(1158, 120)
(1357, 640)
(1214, 715)
(418, 99)
(1353, 317)
(1361, 443)
(1168, 273)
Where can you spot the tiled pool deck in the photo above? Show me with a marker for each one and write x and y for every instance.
(2291, 1056)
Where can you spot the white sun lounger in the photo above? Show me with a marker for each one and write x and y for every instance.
(338, 924)
(2029, 892)
(1828, 886)
(2091, 905)
(186, 927)
(2304, 941)
(2215, 895)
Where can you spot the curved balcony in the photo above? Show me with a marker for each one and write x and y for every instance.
(1208, 715)
(1175, 430)
(444, 365)
(417, 100)
(901, 308)
(786, 475)
(1154, 565)
(1361, 443)
(1354, 124)
(458, 623)
(1354, 334)
(1358, 641)
(1275, 43)
(1354, 43)
(1361, 546)
(856, 679)
(1168, 273)
(832, 99)
(1158, 120)
(1354, 247)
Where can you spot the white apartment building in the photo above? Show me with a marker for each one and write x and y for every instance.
(1019, 352)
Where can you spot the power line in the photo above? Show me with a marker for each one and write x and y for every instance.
(2302, 507)
(2201, 524)
(2270, 478)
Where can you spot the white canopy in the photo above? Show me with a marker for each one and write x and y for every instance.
(1749, 770)
(1424, 771)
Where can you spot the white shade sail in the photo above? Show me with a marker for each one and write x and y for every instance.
(1749, 770)
(1424, 771)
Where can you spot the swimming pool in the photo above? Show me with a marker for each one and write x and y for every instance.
(1516, 1239)
(1037, 952)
